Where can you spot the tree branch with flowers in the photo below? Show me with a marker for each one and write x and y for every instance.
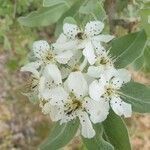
(82, 79)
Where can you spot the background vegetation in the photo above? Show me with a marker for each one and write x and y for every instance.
(22, 125)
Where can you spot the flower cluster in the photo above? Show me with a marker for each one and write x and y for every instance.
(76, 78)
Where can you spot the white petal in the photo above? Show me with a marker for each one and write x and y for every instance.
(58, 44)
(77, 83)
(72, 64)
(83, 64)
(98, 110)
(61, 39)
(57, 96)
(99, 49)
(65, 71)
(120, 107)
(103, 38)
(76, 58)
(40, 48)
(66, 118)
(102, 80)
(64, 57)
(124, 75)
(94, 71)
(68, 45)
(70, 30)
(127, 109)
(88, 52)
(56, 113)
(45, 94)
(94, 28)
(117, 82)
(87, 130)
(88, 78)
(109, 73)
(44, 87)
(46, 109)
(32, 67)
(41, 87)
(53, 71)
(96, 90)
(120, 76)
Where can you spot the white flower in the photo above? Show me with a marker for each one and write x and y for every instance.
(102, 64)
(39, 82)
(106, 89)
(48, 58)
(72, 65)
(44, 53)
(66, 105)
(33, 83)
(89, 40)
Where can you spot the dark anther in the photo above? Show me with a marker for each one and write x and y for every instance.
(80, 35)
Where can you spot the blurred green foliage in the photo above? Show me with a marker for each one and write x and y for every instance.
(14, 38)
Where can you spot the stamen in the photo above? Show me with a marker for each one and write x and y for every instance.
(80, 36)
(72, 105)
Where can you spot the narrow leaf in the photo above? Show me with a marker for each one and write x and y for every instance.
(97, 143)
(69, 20)
(146, 66)
(127, 48)
(44, 16)
(60, 135)
(138, 95)
(145, 18)
(116, 132)
(93, 8)
(49, 3)
(143, 62)
(71, 12)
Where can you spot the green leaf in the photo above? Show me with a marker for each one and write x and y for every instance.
(71, 12)
(116, 132)
(143, 62)
(138, 63)
(60, 135)
(138, 95)
(145, 17)
(146, 66)
(97, 143)
(69, 20)
(128, 48)
(93, 8)
(49, 3)
(44, 16)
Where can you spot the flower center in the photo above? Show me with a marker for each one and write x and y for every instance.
(109, 91)
(75, 68)
(73, 104)
(49, 57)
(32, 84)
(81, 36)
(103, 61)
